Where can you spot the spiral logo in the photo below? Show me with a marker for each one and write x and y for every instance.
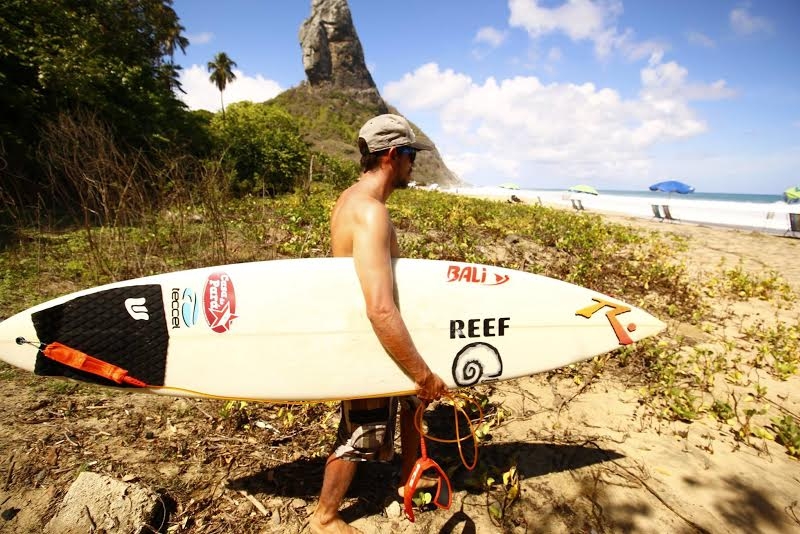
(476, 362)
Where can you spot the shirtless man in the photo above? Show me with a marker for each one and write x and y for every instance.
(360, 227)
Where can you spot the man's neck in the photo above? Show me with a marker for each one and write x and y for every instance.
(378, 184)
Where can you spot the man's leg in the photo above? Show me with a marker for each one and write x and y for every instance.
(409, 441)
(409, 447)
(358, 418)
(338, 476)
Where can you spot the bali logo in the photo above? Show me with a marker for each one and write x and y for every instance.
(475, 274)
(219, 302)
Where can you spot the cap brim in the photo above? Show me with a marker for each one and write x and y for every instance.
(420, 145)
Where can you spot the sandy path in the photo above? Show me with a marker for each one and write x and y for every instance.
(708, 246)
(600, 463)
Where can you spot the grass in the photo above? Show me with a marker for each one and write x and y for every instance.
(678, 380)
(581, 249)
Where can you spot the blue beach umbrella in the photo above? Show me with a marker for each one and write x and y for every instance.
(672, 186)
(792, 195)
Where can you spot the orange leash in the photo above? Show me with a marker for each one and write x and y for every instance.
(444, 493)
(83, 362)
(458, 439)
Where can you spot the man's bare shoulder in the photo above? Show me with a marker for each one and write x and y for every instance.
(359, 203)
(357, 213)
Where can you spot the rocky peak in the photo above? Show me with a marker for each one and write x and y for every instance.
(332, 52)
(334, 63)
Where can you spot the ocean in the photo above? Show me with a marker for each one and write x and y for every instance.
(759, 212)
(725, 197)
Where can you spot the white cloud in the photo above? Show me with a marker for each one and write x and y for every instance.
(700, 39)
(200, 38)
(669, 80)
(202, 94)
(579, 19)
(503, 128)
(583, 20)
(744, 23)
(491, 36)
(430, 87)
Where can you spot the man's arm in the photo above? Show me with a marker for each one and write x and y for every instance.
(373, 263)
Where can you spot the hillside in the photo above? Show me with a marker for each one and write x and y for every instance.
(330, 118)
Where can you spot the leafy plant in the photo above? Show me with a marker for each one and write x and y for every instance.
(510, 490)
(787, 433)
(744, 285)
(236, 414)
(722, 411)
(263, 145)
(776, 348)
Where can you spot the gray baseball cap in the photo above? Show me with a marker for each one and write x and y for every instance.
(387, 131)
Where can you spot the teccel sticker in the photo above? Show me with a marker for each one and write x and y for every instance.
(219, 302)
(185, 307)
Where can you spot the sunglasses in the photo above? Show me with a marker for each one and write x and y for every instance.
(410, 151)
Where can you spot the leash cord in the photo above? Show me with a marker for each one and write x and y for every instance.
(418, 415)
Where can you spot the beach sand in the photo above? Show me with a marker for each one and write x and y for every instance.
(758, 252)
(588, 455)
(595, 460)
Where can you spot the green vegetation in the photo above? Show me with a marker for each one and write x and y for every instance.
(329, 119)
(736, 282)
(142, 186)
(196, 223)
(93, 122)
(201, 224)
(263, 146)
(787, 433)
(113, 59)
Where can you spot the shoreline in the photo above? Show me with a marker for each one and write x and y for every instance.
(758, 250)
(772, 219)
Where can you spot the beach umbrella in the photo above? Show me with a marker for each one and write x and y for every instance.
(672, 186)
(509, 185)
(582, 188)
(792, 195)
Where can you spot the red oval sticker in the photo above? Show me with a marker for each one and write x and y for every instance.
(219, 302)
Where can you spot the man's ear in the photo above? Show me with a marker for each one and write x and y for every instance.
(393, 153)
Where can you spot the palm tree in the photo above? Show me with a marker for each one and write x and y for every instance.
(221, 70)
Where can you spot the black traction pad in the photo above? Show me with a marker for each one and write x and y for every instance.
(125, 326)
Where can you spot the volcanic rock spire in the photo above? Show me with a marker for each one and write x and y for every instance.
(332, 53)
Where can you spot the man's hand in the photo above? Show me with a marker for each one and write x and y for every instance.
(431, 387)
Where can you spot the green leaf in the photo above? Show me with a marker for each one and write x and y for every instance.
(422, 498)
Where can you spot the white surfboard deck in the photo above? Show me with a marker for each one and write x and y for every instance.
(296, 330)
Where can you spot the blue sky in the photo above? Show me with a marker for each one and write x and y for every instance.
(547, 94)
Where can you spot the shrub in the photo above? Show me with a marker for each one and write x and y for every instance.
(262, 144)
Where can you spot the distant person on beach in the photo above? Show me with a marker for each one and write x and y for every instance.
(361, 229)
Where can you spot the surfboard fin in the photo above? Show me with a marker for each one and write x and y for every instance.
(83, 362)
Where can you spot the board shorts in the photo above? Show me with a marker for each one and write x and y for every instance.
(368, 434)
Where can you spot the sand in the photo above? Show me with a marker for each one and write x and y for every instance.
(601, 463)
(758, 252)
(585, 456)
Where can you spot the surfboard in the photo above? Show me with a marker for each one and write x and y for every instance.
(296, 330)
